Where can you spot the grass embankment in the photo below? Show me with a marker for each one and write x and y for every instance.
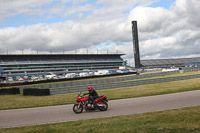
(170, 121)
(20, 101)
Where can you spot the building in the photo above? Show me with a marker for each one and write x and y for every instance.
(192, 64)
(21, 65)
(163, 63)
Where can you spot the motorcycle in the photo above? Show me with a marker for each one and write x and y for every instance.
(85, 102)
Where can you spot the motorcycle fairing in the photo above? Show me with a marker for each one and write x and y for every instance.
(100, 99)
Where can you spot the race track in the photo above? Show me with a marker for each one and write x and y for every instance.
(64, 113)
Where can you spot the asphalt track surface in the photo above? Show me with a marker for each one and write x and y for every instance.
(64, 113)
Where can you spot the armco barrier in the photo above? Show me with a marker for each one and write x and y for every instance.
(111, 83)
(68, 79)
(149, 81)
(122, 84)
(115, 79)
(9, 91)
(191, 69)
(36, 92)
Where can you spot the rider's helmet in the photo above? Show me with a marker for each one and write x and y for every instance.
(90, 88)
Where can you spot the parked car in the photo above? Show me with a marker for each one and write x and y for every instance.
(34, 78)
(51, 76)
(10, 79)
(70, 75)
(101, 72)
(83, 74)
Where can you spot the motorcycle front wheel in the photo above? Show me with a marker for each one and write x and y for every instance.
(104, 107)
(78, 108)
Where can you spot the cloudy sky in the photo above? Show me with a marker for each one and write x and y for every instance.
(167, 28)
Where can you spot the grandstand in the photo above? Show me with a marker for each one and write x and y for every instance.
(12, 65)
(163, 63)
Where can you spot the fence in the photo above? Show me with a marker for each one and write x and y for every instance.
(191, 69)
(63, 87)
(111, 83)
(61, 90)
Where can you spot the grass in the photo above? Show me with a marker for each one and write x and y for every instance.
(20, 101)
(185, 120)
(153, 89)
(179, 120)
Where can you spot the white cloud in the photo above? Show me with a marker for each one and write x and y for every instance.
(163, 33)
(150, 19)
(168, 33)
(188, 10)
(9, 8)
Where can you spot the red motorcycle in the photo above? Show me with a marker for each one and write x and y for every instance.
(85, 102)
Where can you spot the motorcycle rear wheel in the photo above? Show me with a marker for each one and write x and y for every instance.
(104, 108)
(78, 108)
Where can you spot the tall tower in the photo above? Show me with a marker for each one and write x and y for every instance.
(136, 44)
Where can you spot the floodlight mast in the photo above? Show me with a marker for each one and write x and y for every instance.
(136, 44)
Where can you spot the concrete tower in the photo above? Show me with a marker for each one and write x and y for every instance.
(136, 44)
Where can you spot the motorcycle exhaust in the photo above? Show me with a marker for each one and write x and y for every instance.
(100, 105)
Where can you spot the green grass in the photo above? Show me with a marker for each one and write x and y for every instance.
(179, 120)
(185, 120)
(20, 101)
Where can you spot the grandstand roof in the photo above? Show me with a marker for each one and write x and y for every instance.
(168, 62)
(58, 58)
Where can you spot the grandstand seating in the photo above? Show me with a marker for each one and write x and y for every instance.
(43, 59)
(47, 62)
(178, 62)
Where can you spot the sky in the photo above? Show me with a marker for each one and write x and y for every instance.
(167, 28)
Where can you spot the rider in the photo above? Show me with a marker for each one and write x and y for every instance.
(92, 93)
